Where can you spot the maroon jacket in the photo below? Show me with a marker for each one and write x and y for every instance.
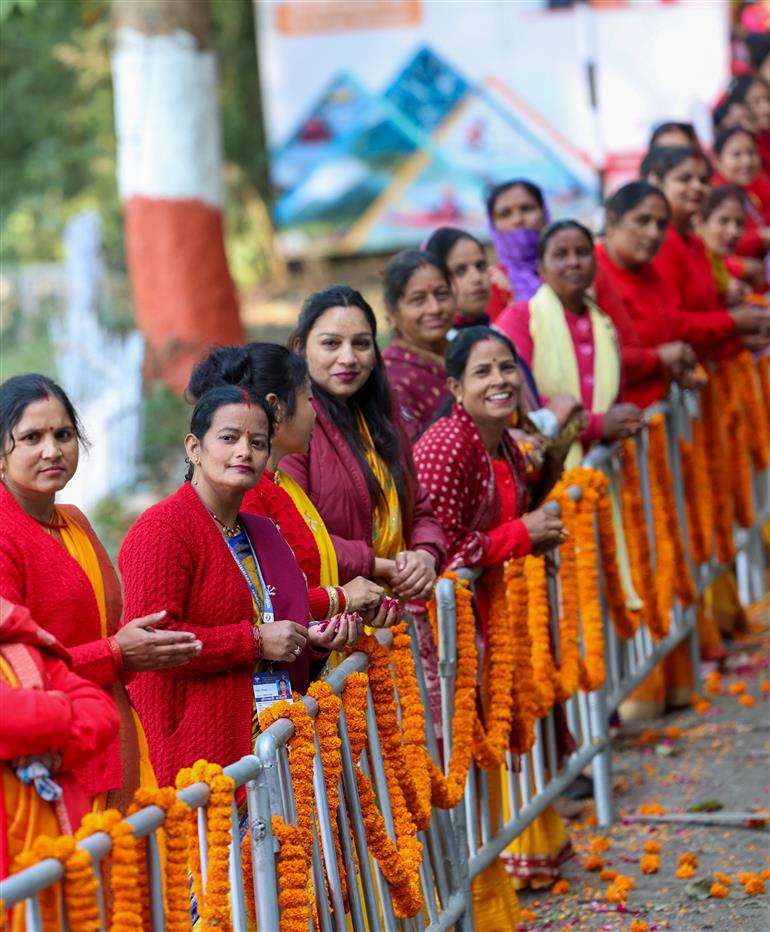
(332, 477)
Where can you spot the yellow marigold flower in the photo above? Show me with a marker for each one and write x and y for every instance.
(688, 857)
(754, 887)
(737, 687)
(764, 686)
(615, 895)
(649, 864)
(723, 879)
(765, 875)
(673, 733)
(718, 890)
(652, 847)
(624, 882)
(608, 875)
(560, 887)
(599, 843)
(651, 809)
(527, 915)
(747, 700)
(638, 925)
(593, 863)
(685, 872)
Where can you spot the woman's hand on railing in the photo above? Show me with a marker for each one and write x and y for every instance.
(677, 358)
(414, 576)
(364, 596)
(145, 647)
(283, 640)
(750, 321)
(545, 529)
(336, 634)
(622, 420)
(388, 614)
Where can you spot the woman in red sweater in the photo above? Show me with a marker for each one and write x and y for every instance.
(281, 377)
(738, 162)
(226, 576)
(713, 331)
(53, 720)
(52, 563)
(637, 218)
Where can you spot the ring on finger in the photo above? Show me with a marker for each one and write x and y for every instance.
(297, 650)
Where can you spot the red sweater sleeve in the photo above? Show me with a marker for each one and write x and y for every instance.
(156, 567)
(34, 721)
(514, 323)
(95, 719)
(509, 540)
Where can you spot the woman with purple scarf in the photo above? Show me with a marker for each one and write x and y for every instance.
(517, 212)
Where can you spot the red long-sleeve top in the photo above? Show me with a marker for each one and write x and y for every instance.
(705, 322)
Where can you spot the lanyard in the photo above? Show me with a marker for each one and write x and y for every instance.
(264, 604)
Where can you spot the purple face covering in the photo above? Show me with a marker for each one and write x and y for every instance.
(516, 250)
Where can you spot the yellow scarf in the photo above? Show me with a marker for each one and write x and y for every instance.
(554, 364)
(329, 571)
(719, 271)
(80, 548)
(387, 523)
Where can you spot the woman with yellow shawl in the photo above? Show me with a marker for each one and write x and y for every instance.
(52, 563)
(358, 470)
(281, 377)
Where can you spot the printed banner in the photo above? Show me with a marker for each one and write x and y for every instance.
(389, 118)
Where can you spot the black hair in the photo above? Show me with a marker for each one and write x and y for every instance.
(556, 227)
(660, 160)
(219, 396)
(265, 368)
(739, 87)
(720, 114)
(686, 129)
(718, 195)
(444, 240)
(725, 135)
(20, 391)
(759, 48)
(459, 350)
(401, 268)
(630, 196)
(373, 401)
(529, 186)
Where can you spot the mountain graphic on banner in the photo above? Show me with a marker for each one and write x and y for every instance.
(369, 171)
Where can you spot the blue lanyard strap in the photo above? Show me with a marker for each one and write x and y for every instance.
(265, 603)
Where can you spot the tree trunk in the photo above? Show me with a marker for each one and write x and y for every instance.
(170, 180)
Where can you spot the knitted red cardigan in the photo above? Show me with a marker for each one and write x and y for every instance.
(38, 573)
(175, 558)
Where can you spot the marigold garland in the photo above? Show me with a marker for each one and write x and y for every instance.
(523, 692)
(326, 724)
(683, 584)
(635, 527)
(296, 841)
(213, 905)
(42, 848)
(569, 615)
(177, 894)
(756, 415)
(447, 791)
(718, 473)
(399, 862)
(490, 742)
(591, 673)
(123, 867)
(736, 441)
(697, 530)
(538, 618)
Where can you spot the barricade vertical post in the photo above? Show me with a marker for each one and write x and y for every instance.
(327, 836)
(235, 873)
(600, 719)
(157, 912)
(262, 841)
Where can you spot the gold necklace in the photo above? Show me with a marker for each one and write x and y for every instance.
(229, 532)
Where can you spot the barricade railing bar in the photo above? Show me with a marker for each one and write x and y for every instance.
(458, 844)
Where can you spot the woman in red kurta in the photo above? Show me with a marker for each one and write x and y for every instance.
(738, 163)
(51, 717)
(637, 219)
(569, 343)
(682, 176)
(476, 479)
(52, 563)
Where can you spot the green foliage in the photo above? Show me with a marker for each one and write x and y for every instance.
(166, 422)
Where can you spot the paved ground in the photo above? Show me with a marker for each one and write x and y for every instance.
(722, 754)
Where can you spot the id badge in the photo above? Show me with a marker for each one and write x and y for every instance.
(269, 688)
(268, 618)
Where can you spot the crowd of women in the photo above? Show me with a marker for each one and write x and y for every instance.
(330, 483)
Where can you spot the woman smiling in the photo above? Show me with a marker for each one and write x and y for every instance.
(359, 471)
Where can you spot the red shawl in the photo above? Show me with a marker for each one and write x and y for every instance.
(458, 473)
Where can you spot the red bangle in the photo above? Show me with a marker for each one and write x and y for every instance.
(343, 597)
(258, 640)
(117, 654)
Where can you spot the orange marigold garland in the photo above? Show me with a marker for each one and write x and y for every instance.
(42, 848)
(523, 691)
(491, 742)
(698, 530)
(683, 584)
(738, 473)
(635, 526)
(755, 413)
(569, 614)
(213, 905)
(399, 862)
(296, 841)
(123, 867)
(591, 666)
(326, 723)
(447, 791)
(718, 473)
(175, 827)
(540, 635)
